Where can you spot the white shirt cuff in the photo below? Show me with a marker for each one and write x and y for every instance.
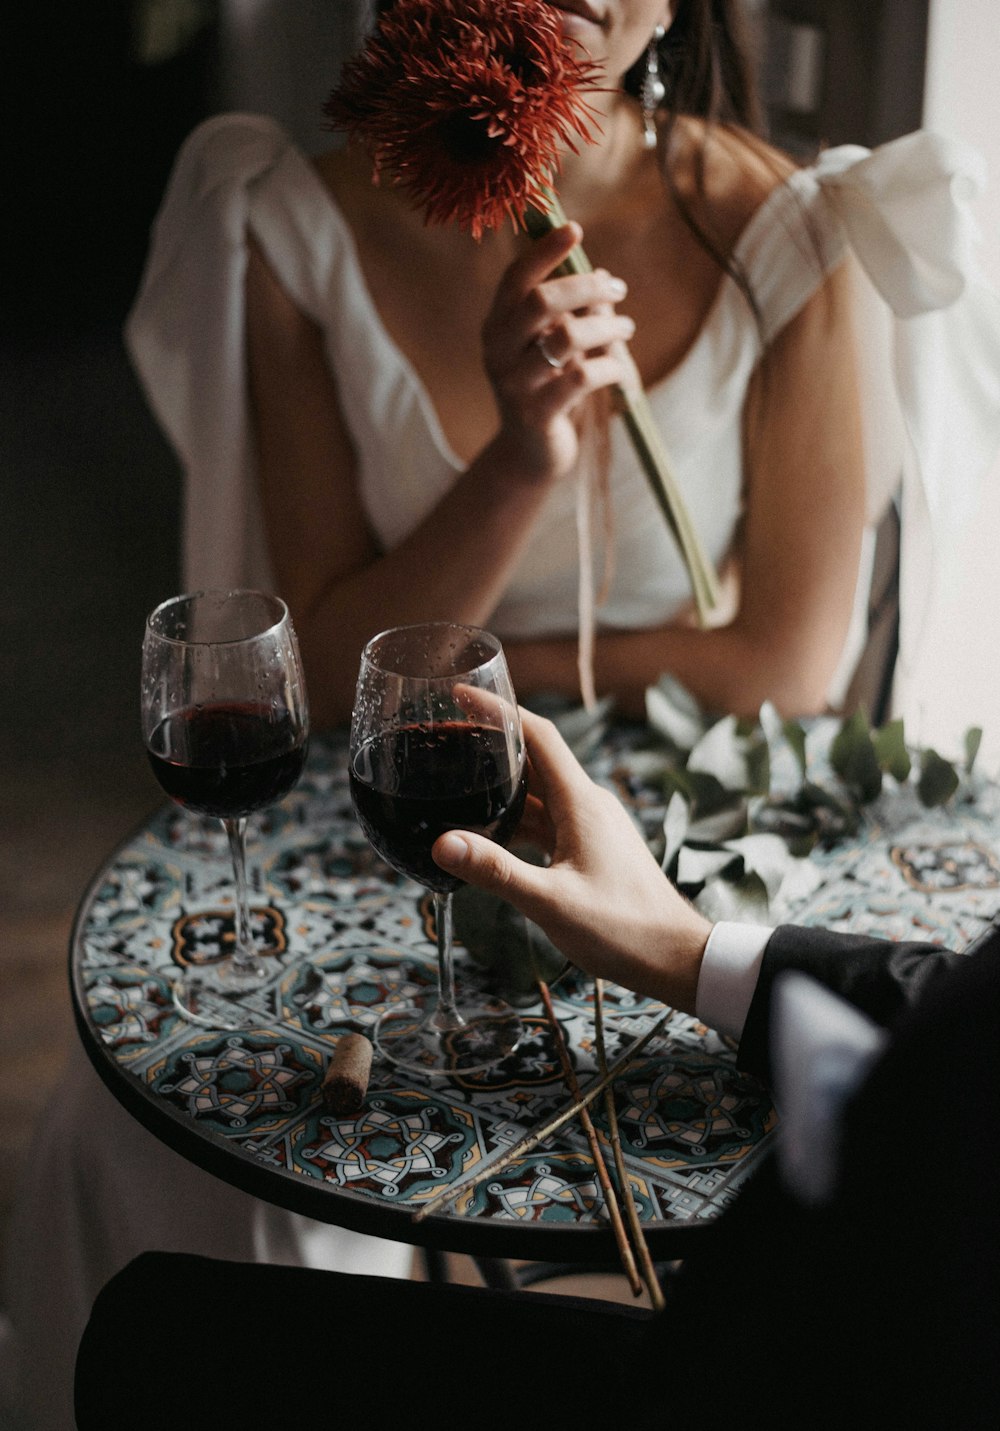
(728, 977)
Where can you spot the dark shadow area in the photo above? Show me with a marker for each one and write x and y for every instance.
(89, 492)
(96, 115)
(90, 488)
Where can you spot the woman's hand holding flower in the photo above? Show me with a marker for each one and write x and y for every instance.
(574, 317)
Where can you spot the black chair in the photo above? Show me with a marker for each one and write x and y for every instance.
(871, 684)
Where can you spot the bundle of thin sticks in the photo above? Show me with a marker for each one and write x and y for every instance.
(633, 1251)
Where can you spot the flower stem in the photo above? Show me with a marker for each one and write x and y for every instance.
(635, 411)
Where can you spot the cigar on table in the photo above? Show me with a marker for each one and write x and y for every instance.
(345, 1082)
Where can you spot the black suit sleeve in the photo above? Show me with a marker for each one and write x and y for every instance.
(878, 976)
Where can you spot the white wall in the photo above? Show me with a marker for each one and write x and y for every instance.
(956, 680)
(962, 95)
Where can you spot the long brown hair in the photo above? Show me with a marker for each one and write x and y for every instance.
(708, 68)
(707, 65)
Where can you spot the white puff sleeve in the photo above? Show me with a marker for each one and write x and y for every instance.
(186, 337)
(905, 210)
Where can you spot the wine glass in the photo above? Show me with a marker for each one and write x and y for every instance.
(436, 745)
(225, 722)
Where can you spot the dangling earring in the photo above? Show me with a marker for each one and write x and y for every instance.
(653, 90)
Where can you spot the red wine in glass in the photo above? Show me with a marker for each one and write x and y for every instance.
(436, 745)
(225, 721)
(411, 785)
(228, 759)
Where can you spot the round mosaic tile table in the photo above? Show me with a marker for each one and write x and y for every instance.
(346, 938)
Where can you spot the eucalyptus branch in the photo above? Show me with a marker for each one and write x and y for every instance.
(531, 1141)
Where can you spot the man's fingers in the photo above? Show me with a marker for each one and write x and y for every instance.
(552, 761)
(535, 827)
(479, 861)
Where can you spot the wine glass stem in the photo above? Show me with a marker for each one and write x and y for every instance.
(446, 1015)
(244, 956)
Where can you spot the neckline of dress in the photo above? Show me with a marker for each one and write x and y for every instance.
(728, 291)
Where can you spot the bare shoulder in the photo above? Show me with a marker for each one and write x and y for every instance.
(372, 206)
(389, 231)
(345, 169)
(724, 174)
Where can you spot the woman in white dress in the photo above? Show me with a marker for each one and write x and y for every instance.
(413, 449)
(369, 424)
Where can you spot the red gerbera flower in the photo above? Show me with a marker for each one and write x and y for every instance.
(466, 103)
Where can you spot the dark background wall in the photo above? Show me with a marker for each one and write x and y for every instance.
(89, 493)
(844, 71)
(88, 489)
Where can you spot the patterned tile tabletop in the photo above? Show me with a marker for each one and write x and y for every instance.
(346, 938)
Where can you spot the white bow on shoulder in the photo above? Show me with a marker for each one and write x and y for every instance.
(906, 211)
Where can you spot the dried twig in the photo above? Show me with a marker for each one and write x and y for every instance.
(610, 1200)
(531, 1140)
(635, 1226)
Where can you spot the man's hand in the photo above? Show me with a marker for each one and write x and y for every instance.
(602, 900)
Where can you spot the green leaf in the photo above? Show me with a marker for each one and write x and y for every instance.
(767, 856)
(674, 713)
(853, 757)
(743, 900)
(812, 815)
(703, 792)
(796, 827)
(580, 728)
(834, 818)
(758, 757)
(526, 954)
(795, 734)
(721, 752)
(500, 939)
(890, 748)
(675, 828)
(938, 778)
(722, 824)
(696, 866)
(973, 739)
(813, 796)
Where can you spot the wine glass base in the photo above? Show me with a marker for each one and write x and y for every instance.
(488, 1032)
(210, 997)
